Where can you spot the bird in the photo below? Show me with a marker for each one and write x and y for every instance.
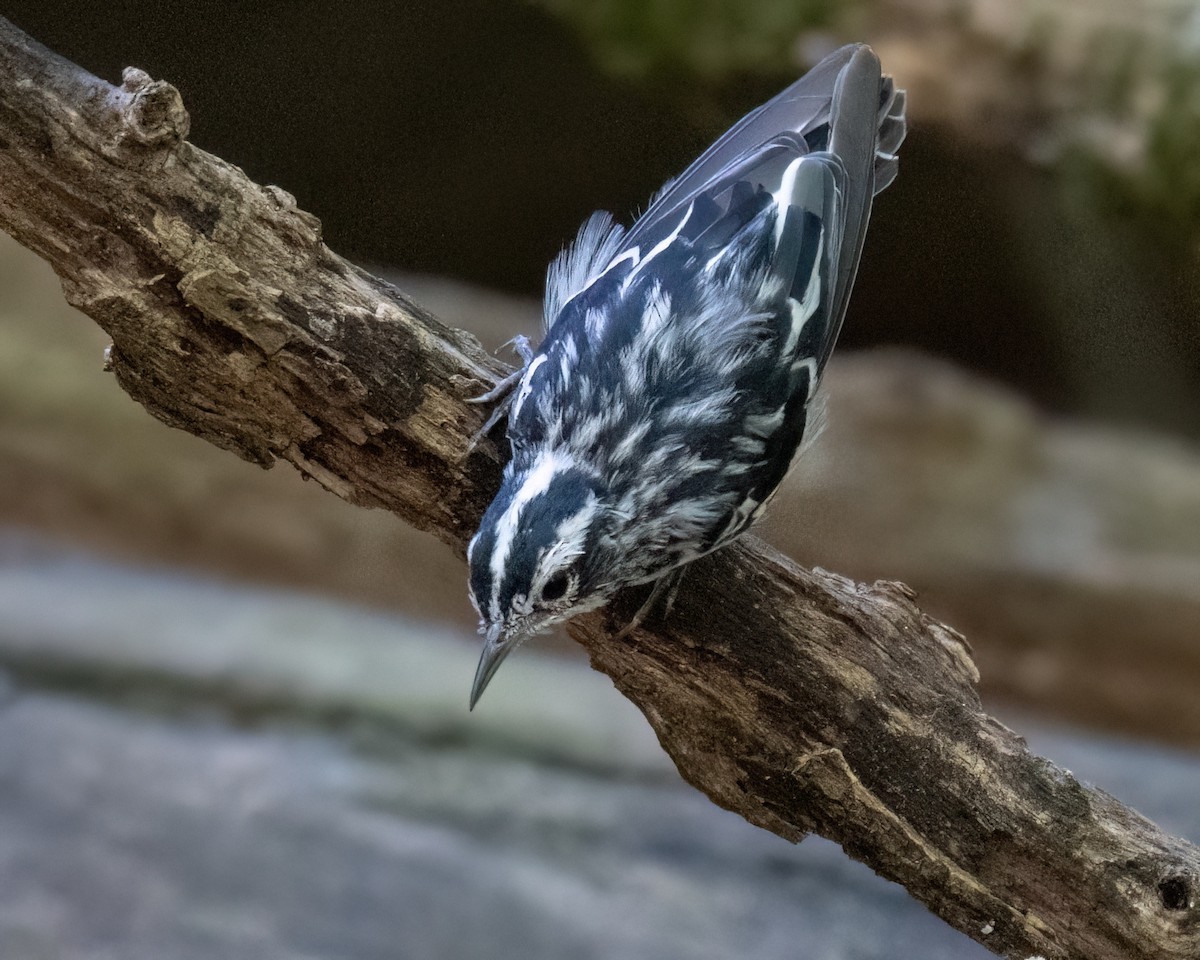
(678, 373)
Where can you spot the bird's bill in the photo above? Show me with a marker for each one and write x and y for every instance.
(496, 646)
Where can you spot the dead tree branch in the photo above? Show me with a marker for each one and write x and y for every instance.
(799, 699)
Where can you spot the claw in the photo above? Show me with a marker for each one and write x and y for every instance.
(668, 585)
(520, 344)
(501, 388)
(524, 350)
(496, 416)
(501, 393)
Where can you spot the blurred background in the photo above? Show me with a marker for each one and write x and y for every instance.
(233, 713)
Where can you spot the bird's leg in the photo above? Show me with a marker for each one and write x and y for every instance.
(498, 391)
(675, 578)
(667, 585)
(520, 345)
(501, 393)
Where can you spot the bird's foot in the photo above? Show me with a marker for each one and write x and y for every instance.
(666, 588)
(501, 393)
(521, 347)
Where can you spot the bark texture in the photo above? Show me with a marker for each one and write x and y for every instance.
(799, 699)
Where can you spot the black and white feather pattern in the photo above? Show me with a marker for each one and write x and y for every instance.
(681, 359)
(705, 328)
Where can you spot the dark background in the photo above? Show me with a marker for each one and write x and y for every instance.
(470, 138)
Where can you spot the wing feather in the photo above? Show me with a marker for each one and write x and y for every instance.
(842, 119)
(799, 109)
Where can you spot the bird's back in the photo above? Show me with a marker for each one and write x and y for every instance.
(676, 379)
(682, 357)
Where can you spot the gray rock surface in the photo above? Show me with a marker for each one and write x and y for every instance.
(191, 770)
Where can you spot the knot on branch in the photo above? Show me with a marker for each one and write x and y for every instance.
(1175, 892)
(154, 115)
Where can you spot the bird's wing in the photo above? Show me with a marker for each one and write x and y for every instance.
(821, 149)
(802, 107)
(842, 114)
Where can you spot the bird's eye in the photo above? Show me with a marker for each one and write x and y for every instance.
(556, 587)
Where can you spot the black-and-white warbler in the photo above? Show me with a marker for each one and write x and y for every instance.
(675, 382)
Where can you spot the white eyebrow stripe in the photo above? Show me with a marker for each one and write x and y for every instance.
(536, 482)
(569, 539)
(571, 533)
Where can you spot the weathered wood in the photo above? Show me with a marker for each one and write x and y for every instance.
(799, 699)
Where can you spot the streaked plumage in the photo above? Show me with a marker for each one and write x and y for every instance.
(675, 382)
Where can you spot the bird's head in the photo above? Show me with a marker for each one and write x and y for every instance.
(538, 557)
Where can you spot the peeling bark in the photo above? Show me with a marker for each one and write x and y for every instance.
(799, 699)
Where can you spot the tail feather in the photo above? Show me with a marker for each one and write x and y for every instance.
(893, 125)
